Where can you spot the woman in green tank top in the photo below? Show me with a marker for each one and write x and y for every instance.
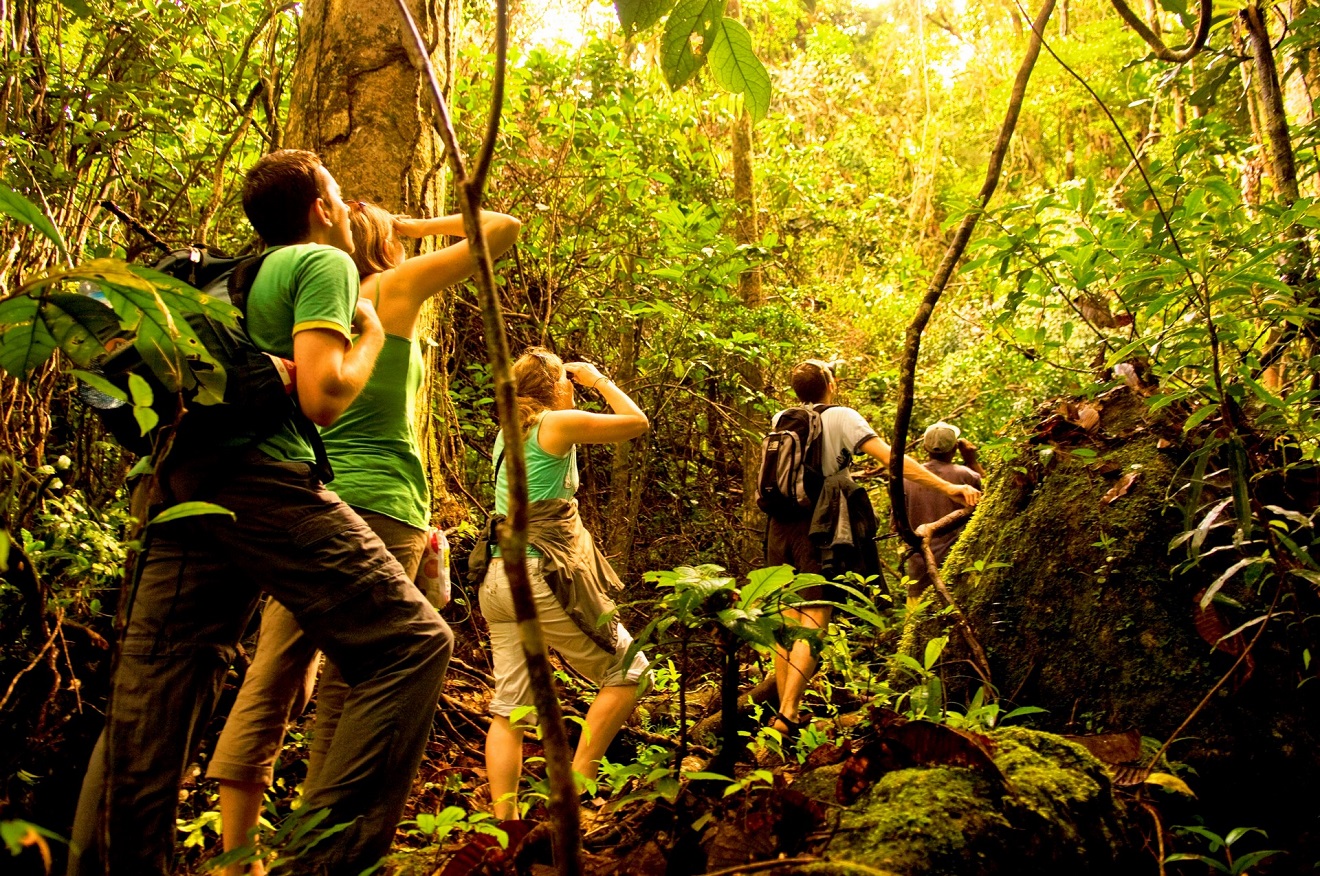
(572, 612)
(378, 471)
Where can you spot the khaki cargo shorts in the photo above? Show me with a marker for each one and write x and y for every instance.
(513, 685)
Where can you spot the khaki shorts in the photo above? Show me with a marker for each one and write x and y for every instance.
(513, 685)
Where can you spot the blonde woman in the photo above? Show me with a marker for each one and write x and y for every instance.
(379, 473)
(571, 581)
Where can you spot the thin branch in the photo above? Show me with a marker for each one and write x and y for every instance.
(952, 255)
(1184, 262)
(513, 533)
(31, 666)
(1163, 52)
(496, 100)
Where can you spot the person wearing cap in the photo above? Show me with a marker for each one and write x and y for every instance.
(844, 434)
(925, 505)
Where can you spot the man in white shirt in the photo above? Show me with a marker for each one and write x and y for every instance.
(844, 433)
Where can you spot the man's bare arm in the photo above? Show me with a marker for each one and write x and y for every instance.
(331, 372)
(914, 471)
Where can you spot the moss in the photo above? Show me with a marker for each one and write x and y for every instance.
(1054, 813)
(1076, 604)
(1080, 612)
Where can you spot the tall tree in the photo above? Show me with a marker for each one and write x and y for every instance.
(357, 101)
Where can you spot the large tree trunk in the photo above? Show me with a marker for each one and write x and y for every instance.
(356, 101)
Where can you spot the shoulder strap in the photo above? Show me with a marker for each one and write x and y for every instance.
(498, 462)
(242, 278)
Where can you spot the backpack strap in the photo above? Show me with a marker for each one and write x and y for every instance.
(239, 286)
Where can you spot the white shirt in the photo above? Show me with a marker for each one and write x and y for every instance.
(843, 432)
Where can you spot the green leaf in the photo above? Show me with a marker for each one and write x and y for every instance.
(26, 346)
(100, 384)
(1198, 416)
(686, 41)
(1184, 856)
(934, 648)
(15, 205)
(140, 390)
(639, 15)
(1238, 833)
(80, 325)
(735, 67)
(189, 509)
(146, 418)
(77, 7)
(4, 550)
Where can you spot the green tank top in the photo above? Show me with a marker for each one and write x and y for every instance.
(548, 476)
(373, 448)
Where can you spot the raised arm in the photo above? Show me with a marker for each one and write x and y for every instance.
(560, 430)
(331, 371)
(914, 471)
(407, 286)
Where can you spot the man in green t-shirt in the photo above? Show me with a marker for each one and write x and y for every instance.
(201, 577)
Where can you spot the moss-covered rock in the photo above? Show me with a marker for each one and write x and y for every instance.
(1053, 812)
(1080, 611)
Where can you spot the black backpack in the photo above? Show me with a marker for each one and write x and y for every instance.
(256, 390)
(791, 474)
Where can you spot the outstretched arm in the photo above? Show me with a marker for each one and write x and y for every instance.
(420, 277)
(914, 471)
(560, 430)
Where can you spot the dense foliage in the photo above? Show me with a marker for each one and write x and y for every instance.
(1141, 236)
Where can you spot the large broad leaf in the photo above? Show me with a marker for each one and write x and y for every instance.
(80, 325)
(688, 33)
(186, 299)
(638, 15)
(734, 64)
(15, 205)
(762, 582)
(25, 346)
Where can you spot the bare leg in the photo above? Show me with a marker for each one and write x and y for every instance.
(240, 807)
(610, 709)
(793, 674)
(504, 744)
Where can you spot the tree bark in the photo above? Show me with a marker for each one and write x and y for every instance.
(356, 101)
(1274, 119)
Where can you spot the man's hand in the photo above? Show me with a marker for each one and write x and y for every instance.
(365, 320)
(967, 494)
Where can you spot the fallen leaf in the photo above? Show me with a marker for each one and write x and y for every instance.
(912, 744)
(1163, 443)
(1212, 627)
(1112, 748)
(828, 754)
(1120, 489)
(1127, 776)
(1088, 416)
(1171, 782)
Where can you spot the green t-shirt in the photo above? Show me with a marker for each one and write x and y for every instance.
(304, 286)
(373, 448)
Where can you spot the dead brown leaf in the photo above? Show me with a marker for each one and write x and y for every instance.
(1112, 748)
(1120, 489)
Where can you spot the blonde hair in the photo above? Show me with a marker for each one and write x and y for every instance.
(374, 244)
(536, 375)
